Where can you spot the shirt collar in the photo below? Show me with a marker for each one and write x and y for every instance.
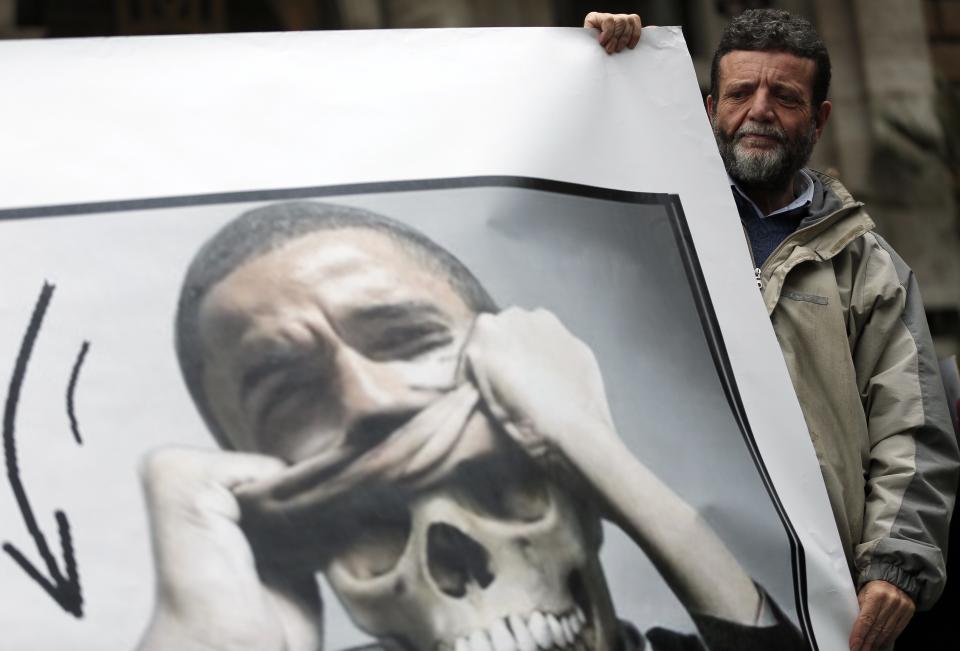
(803, 199)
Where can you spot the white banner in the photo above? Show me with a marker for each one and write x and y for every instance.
(454, 298)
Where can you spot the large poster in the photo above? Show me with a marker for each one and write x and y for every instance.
(407, 364)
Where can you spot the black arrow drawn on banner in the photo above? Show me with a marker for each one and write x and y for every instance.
(64, 590)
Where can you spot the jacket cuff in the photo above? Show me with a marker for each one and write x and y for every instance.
(891, 573)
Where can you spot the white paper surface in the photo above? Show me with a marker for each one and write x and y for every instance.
(98, 120)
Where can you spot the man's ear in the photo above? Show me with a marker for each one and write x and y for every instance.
(710, 107)
(823, 114)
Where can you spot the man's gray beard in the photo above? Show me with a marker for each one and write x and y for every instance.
(771, 169)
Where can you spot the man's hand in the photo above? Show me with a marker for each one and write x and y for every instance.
(617, 31)
(420, 452)
(209, 592)
(539, 381)
(885, 610)
(544, 386)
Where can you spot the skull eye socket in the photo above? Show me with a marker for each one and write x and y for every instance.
(503, 486)
(370, 543)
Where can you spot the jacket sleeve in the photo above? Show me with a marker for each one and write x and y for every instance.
(911, 476)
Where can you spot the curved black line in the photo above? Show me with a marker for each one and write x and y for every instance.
(71, 390)
(10, 414)
(65, 591)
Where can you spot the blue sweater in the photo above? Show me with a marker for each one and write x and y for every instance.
(766, 232)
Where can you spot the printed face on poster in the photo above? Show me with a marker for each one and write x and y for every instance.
(471, 411)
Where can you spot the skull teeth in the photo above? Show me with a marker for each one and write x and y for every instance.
(521, 634)
(501, 637)
(480, 641)
(537, 632)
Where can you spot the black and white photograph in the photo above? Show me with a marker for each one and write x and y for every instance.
(431, 395)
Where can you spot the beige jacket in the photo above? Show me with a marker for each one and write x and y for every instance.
(850, 321)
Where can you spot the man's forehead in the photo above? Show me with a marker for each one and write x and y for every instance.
(340, 268)
(773, 65)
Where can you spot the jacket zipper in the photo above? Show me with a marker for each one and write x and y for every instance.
(756, 269)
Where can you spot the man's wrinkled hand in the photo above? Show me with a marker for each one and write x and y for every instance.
(209, 588)
(885, 610)
(422, 451)
(539, 381)
(617, 31)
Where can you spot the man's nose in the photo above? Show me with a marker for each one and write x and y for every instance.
(761, 106)
(376, 398)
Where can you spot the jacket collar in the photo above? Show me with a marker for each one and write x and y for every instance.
(835, 219)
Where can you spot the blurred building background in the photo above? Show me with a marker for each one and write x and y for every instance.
(895, 133)
(894, 138)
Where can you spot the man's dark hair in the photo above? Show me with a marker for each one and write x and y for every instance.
(262, 230)
(774, 30)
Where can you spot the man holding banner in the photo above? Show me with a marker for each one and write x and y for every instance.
(381, 422)
(847, 313)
